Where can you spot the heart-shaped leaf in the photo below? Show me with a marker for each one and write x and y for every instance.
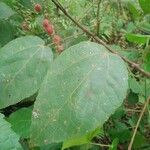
(84, 86)
(23, 65)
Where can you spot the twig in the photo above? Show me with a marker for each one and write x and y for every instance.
(102, 145)
(132, 110)
(138, 122)
(97, 39)
(98, 19)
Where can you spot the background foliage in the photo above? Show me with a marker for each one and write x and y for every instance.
(25, 60)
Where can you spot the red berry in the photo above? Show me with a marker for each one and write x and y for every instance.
(37, 8)
(60, 48)
(49, 29)
(57, 39)
(45, 23)
(25, 26)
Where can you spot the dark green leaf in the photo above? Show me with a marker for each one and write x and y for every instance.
(7, 32)
(121, 131)
(134, 85)
(139, 138)
(132, 98)
(21, 121)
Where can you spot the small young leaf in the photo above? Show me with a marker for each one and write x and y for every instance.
(114, 144)
(134, 11)
(81, 140)
(137, 38)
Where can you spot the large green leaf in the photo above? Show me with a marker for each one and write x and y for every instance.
(21, 121)
(5, 11)
(23, 65)
(9, 140)
(84, 86)
(145, 5)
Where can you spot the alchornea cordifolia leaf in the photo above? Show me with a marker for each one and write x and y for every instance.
(83, 87)
(23, 65)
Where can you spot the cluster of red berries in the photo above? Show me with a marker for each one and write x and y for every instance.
(49, 29)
